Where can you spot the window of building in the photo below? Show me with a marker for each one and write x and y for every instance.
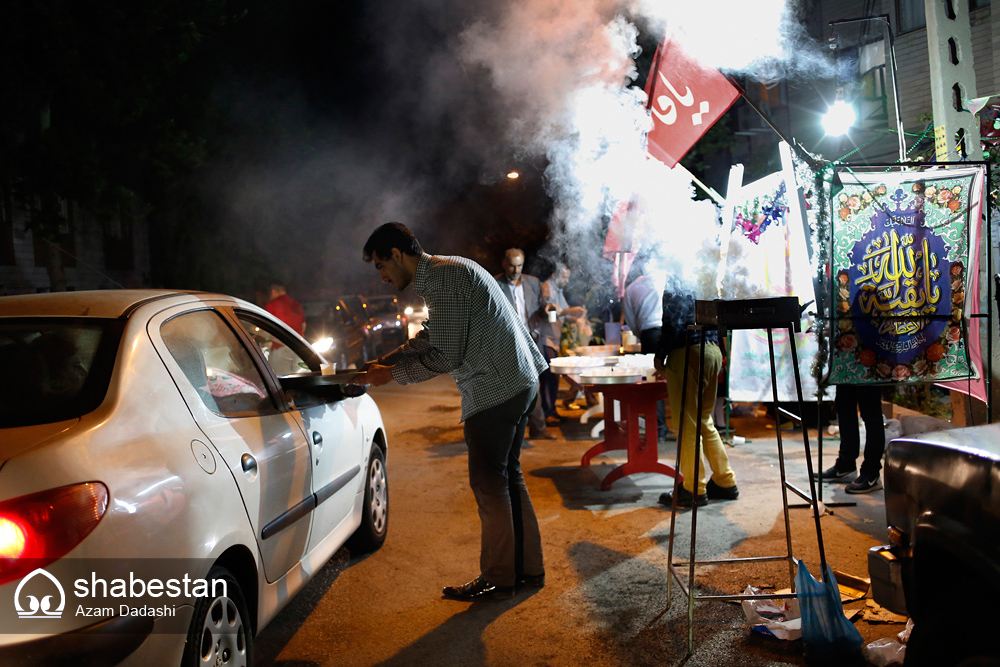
(910, 15)
(64, 240)
(119, 244)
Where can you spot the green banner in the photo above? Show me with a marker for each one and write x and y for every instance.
(900, 269)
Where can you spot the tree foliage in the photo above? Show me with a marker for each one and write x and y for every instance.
(102, 101)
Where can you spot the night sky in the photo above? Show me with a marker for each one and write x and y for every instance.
(337, 117)
(326, 119)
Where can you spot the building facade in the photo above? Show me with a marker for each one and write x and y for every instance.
(86, 254)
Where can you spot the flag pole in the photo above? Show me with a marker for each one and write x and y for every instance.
(709, 191)
(813, 163)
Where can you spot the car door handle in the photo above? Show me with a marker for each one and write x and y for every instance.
(249, 464)
(317, 440)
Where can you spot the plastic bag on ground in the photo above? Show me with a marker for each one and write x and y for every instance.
(893, 429)
(828, 636)
(778, 618)
(884, 652)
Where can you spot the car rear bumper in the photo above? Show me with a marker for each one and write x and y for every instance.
(106, 643)
(885, 568)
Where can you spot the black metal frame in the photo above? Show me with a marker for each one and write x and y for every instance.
(812, 498)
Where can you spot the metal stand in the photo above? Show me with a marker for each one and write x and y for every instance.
(819, 459)
(688, 588)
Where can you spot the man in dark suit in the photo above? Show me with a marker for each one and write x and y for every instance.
(524, 293)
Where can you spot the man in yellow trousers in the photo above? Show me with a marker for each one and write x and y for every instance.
(676, 344)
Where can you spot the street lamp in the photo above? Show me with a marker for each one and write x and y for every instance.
(884, 18)
(839, 117)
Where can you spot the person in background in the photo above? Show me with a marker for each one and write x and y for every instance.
(282, 360)
(524, 293)
(675, 345)
(285, 308)
(473, 333)
(554, 301)
(849, 400)
(643, 312)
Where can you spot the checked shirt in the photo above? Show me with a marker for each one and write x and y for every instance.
(471, 332)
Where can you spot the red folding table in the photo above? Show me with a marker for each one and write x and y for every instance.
(636, 399)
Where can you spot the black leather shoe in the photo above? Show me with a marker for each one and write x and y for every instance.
(716, 492)
(478, 589)
(684, 498)
(531, 580)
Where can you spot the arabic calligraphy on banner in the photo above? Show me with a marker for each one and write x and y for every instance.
(900, 258)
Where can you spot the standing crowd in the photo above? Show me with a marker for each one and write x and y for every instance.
(495, 335)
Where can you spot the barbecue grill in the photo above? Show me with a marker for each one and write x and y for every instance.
(768, 313)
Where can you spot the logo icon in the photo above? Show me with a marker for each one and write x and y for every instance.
(39, 608)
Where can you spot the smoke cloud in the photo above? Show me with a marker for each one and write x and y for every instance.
(571, 63)
(460, 89)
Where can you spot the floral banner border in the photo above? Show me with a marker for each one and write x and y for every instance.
(900, 250)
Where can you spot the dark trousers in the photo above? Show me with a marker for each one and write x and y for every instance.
(868, 399)
(511, 543)
(548, 385)
(648, 340)
(536, 420)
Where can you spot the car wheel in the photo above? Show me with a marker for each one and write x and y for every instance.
(220, 632)
(375, 512)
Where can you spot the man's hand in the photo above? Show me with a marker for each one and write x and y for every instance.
(375, 375)
(661, 368)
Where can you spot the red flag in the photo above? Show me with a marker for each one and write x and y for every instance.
(686, 98)
(620, 245)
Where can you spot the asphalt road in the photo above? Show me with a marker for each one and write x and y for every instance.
(606, 600)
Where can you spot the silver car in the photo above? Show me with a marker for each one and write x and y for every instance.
(174, 467)
(942, 563)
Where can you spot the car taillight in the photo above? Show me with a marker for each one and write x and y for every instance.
(42, 527)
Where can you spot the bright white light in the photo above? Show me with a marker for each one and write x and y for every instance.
(839, 119)
(12, 539)
(128, 507)
(323, 345)
(512, 175)
(408, 310)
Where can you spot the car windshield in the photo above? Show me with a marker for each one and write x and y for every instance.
(384, 307)
(54, 369)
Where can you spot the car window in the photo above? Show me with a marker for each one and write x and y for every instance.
(278, 347)
(384, 307)
(347, 317)
(354, 307)
(54, 369)
(216, 364)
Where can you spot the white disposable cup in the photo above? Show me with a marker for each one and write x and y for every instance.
(553, 316)
(739, 440)
(328, 369)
